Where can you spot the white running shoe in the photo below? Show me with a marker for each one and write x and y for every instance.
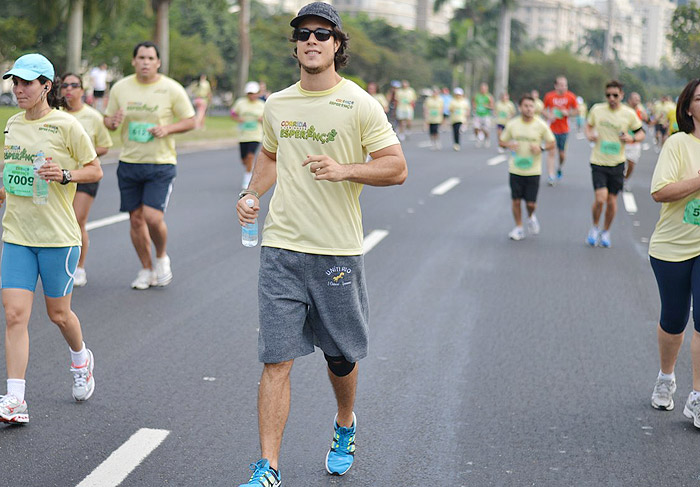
(517, 233)
(163, 273)
(13, 411)
(662, 396)
(80, 277)
(83, 380)
(456, 147)
(145, 279)
(533, 225)
(692, 410)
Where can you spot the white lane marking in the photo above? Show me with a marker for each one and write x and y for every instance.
(110, 220)
(444, 187)
(629, 201)
(124, 459)
(424, 144)
(371, 240)
(497, 160)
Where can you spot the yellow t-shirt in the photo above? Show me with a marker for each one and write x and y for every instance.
(433, 109)
(145, 106)
(250, 129)
(666, 107)
(609, 150)
(672, 121)
(405, 97)
(201, 89)
(536, 131)
(63, 141)
(345, 123)
(92, 122)
(674, 240)
(505, 110)
(459, 110)
(539, 107)
(382, 100)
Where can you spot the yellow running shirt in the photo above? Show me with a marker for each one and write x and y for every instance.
(536, 131)
(677, 234)
(92, 122)
(345, 123)
(459, 109)
(433, 109)
(63, 141)
(505, 110)
(405, 98)
(609, 150)
(539, 107)
(382, 100)
(146, 106)
(250, 129)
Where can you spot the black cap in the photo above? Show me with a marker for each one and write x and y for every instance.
(318, 9)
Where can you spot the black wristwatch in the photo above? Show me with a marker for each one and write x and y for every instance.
(67, 177)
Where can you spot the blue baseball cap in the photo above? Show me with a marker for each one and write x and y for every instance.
(30, 66)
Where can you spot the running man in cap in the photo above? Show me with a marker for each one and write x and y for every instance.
(146, 105)
(248, 112)
(318, 133)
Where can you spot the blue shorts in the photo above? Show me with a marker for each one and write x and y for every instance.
(22, 265)
(561, 141)
(679, 285)
(145, 184)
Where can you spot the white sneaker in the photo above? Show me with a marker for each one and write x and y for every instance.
(517, 233)
(456, 147)
(80, 277)
(692, 410)
(163, 273)
(13, 411)
(145, 279)
(83, 380)
(533, 226)
(662, 396)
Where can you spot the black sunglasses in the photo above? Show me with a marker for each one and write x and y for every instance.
(72, 85)
(612, 95)
(321, 35)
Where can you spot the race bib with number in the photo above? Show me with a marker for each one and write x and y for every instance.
(610, 147)
(558, 113)
(692, 212)
(18, 179)
(503, 114)
(434, 112)
(138, 131)
(249, 126)
(523, 162)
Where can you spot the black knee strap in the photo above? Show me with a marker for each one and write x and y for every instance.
(339, 366)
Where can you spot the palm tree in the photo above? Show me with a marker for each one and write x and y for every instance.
(245, 48)
(162, 37)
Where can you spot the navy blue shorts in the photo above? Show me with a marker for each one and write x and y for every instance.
(88, 188)
(145, 184)
(677, 282)
(561, 141)
(248, 148)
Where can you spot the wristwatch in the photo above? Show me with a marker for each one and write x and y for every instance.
(248, 191)
(67, 177)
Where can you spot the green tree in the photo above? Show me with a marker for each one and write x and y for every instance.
(685, 38)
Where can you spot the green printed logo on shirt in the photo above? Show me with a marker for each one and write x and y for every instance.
(298, 130)
(17, 153)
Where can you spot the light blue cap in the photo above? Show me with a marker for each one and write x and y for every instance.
(30, 66)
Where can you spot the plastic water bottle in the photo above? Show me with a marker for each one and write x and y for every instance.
(40, 185)
(249, 231)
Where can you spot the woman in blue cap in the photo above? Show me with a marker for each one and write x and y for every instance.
(46, 151)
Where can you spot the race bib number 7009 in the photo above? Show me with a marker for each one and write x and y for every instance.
(18, 179)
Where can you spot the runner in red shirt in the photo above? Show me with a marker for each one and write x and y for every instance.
(559, 105)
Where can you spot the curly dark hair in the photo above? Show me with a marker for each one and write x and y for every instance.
(341, 57)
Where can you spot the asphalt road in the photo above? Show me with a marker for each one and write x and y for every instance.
(492, 362)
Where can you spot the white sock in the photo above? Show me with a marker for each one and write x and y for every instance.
(79, 358)
(694, 395)
(671, 376)
(15, 387)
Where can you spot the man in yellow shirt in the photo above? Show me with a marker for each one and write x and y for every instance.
(610, 126)
(526, 136)
(146, 105)
(318, 133)
(433, 108)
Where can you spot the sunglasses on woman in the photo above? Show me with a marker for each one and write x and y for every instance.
(72, 85)
(321, 35)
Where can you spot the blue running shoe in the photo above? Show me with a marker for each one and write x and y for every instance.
(342, 453)
(263, 475)
(559, 174)
(592, 238)
(605, 239)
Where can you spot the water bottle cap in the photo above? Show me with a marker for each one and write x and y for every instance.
(249, 202)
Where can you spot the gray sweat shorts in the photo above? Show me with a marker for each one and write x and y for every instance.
(309, 300)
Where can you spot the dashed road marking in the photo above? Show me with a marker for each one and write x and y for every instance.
(444, 187)
(110, 220)
(497, 160)
(125, 459)
(629, 201)
(371, 240)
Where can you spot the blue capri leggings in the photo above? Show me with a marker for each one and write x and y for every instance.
(677, 282)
